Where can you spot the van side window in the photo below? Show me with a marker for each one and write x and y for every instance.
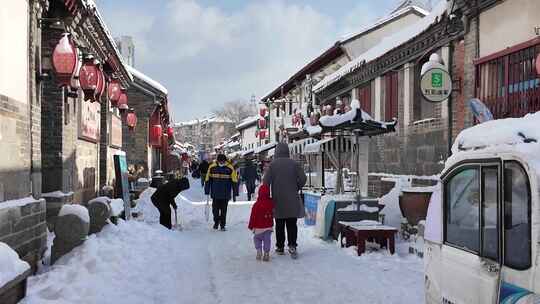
(490, 213)
(462, 210)
(517, 217)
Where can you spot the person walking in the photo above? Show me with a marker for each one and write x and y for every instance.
(286, 178)
(249, 177)
(203, 170)
(165, 195)
(261, 222)
(221, 180)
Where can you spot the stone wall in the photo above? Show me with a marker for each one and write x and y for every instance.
(24, 229)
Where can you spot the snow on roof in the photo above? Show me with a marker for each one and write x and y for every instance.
(148, 80)
(77, 210)
(57, 194)
(316, 146)
(11, 266)
(394, 15)
(518, 136)
(509, 131)
(265, 148)
(248, 122)
(387, 44)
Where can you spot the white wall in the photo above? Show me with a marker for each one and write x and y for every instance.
(249, 141)
(14, 49)
(360, 45)
(507, 24)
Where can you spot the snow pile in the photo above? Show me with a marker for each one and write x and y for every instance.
(117, 206)
(77, 210)
(101, 199)
(10, 264)
(368, 209)
(336, 120)
(391, 210)
(57, 194)
(387, 44)
(17, 203)
(509, 131)
(145, 206)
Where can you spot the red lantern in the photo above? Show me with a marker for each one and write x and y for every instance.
(114, 91)
(185, 157)
(122, 103)
(262, 134)
(64, 60)
(131, 120)
(262, 123)
(90, 78)
(170, 132)
(262, 112)
(155, 136)
(102, 83)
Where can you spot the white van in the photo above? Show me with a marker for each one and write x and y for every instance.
(483, 234)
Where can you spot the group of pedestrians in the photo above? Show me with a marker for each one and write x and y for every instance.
(278, 201)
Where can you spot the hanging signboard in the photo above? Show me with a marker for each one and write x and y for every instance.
(89, 117)
(436, 85)
(122, 183)
(115, 139)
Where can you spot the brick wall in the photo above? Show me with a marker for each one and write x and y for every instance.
(135, 143)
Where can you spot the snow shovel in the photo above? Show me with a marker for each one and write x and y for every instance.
(176, 226)
(207, 208)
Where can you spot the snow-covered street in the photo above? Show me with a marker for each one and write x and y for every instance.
(141, 262)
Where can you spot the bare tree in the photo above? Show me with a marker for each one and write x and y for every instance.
(236, 110)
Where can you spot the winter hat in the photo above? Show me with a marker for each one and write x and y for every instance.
(221, 158)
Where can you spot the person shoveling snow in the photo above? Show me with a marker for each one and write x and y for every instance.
(164, 198)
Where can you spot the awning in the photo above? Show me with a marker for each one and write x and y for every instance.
(265, 148)
(330, 145)
(298, 147)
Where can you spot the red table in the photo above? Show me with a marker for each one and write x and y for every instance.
(357, 234)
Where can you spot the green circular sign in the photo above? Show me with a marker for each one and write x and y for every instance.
(436, 85)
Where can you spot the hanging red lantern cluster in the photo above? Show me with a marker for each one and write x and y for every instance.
(114, 91)
(131, 120)
(122, 103)
(92, 80)
(262, 134)
(65, 60)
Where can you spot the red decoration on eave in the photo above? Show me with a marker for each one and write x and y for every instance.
(100, 89)
(65, 60)
(262, 112)
(122, 103)
(114, 91)
(262, 134)
(90, 78)
(170, 132)
(131, 120)
(262, 123)
(155, 136)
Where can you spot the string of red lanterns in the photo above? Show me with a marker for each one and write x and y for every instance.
(131, 120)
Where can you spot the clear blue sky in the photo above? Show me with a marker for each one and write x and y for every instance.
(207, 52)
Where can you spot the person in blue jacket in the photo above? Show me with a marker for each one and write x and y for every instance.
(221, 181)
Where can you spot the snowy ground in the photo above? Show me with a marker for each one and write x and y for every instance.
(140, 262)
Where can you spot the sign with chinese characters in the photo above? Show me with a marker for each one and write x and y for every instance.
(436, 85)
(115, 139)
(89, 119)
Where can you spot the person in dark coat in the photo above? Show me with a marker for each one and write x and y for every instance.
(221, 180)
(203, 170)
(286, 178)
(249, 177)
(164, 197)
